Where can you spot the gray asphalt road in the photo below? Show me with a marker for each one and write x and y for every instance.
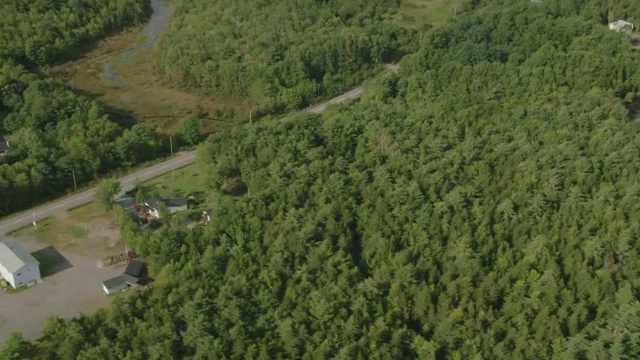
(353, 94)
(127, 182)
(317, 109)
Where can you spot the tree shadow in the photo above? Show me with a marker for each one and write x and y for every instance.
(145, 281)
(51, 261)
(634, 109)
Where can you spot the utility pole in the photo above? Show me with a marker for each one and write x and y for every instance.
(251, 105)
(171, 144)
(75, 186)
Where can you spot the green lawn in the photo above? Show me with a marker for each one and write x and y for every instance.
(11, 290)
(52, 231)
(87, 212)
(183, 182)
(418, 13)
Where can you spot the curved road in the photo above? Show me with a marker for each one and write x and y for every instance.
(128, 182)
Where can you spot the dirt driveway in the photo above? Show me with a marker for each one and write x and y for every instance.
(74, 283)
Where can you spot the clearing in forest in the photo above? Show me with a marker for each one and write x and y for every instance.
(187, 182)
(69, 247)
(120, 72)
(419, 13)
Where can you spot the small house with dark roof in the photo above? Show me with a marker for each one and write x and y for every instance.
(173, 205)
(132, 275)
(4, 145)
(134, 272)
(114, 285)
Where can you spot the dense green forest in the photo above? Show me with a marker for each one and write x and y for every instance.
(39, 32)
(281, 54)
(483, 204)
(52, 131)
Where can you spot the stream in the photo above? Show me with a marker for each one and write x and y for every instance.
(155, 27)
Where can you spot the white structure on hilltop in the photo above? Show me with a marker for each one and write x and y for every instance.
(17, 266)
(621, 26)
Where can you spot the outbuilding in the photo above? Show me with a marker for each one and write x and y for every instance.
(114, 285)
(134, 272)
(17, 266)
(132, 275)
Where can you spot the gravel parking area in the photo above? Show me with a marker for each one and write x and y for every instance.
(73, 286)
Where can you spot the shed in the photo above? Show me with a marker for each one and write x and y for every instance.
(134, 272)
(173, 205)
(114, 285)
(17, 265)
(177, 205)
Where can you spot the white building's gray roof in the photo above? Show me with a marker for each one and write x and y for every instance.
(13, 256)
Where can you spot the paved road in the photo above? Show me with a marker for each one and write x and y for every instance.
(317, 109)
(127, 182)
(353, 94)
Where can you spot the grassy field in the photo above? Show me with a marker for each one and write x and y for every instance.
(86, 212)
(418, 13)
(54, 231)
(142, 95)
(67, 230)
(183, 182)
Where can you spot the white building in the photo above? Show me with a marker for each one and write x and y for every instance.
(114, 285)
(17, 266)
(621, 26)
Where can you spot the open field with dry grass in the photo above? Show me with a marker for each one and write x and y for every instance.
(120, 72)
